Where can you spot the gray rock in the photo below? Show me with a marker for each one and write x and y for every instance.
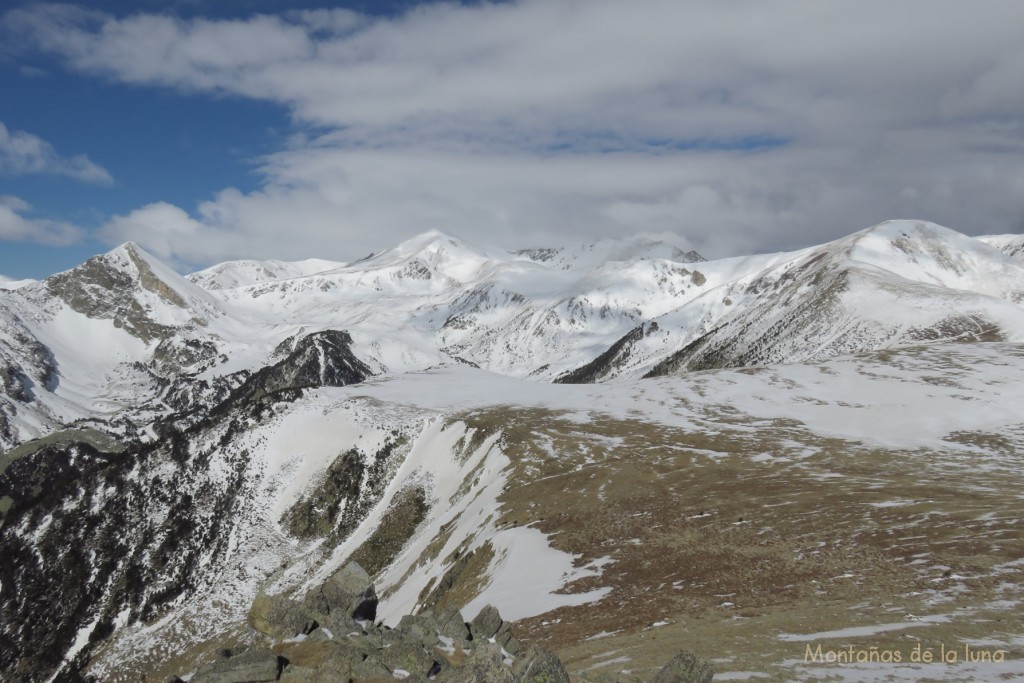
(686, 667)
(340, 624)
(540, 666)
(506, 640)
(485, 624)
(371, 669)
(451, 624)
(422, 628)
(485, 665)
(350, 591)
(335, 662)
(412, 658)
(280, 617)
(251, 666)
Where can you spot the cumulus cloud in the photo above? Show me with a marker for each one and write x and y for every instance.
(22, 153)
(742, 126)
(14, 225)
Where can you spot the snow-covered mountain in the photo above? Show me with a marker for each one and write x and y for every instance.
(10, 283)
(1011, 245)
(240, 273)
(200, 440)
(123, 329)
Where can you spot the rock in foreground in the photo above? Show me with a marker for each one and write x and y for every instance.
(331, 637)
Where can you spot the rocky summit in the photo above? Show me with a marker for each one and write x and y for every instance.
(611, 462)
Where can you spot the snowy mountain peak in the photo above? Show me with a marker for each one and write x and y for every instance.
(243, 273)
(1011, 245)
(432, 241)
(132, 288)
(924, 252)
(432, 255)
(589, 256)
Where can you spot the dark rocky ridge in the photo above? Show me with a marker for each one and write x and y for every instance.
(88, 535)
(607, 362)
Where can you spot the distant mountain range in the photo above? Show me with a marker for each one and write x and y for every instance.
(173, 446)
(123, 329)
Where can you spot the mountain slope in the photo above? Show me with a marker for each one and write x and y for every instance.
(896, 284)
(1011, 245)
(171, 452)
(241, 273)
(549, 502)
(123, 326)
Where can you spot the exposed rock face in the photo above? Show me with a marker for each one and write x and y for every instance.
(89, 535)
(175, 356)
(320, 359)
(316, 516)
(278, 617)
(249, 666)
(441, 647)
(540, 666)
(350, 592)
(686, 668)
(485, 624)
(602, 366)
(106, 286)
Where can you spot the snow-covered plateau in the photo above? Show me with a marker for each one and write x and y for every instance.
(625, 448)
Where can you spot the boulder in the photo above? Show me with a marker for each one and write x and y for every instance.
(506, 640)
(686, 667)
(339, 649)
(421, 628)
(413, 659)
(340, 624)
(349, 591)
(486, 664)
(251, 666)
(371, 669)
(485, 624)
(323, 662)
(279, 617)
(538, 665)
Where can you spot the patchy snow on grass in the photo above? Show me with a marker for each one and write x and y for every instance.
(527, 574)
(859, 631)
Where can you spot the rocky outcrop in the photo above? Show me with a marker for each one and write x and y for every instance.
(320, 359)
(686, 668)
(106, 287)
(604, 365)
(246, 666)
(330, 636)
(94, 537)
(349, 591)
(539, 666)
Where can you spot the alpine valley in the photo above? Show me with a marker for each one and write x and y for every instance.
(774, 462)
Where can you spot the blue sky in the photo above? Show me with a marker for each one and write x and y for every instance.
(156, 144)
(207, 131)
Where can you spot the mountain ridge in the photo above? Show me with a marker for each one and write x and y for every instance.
(435, 300)
(472, 425)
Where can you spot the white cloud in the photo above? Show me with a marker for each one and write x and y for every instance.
(15, 226)
(744, 126)
(163, 229)
(22, 153)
